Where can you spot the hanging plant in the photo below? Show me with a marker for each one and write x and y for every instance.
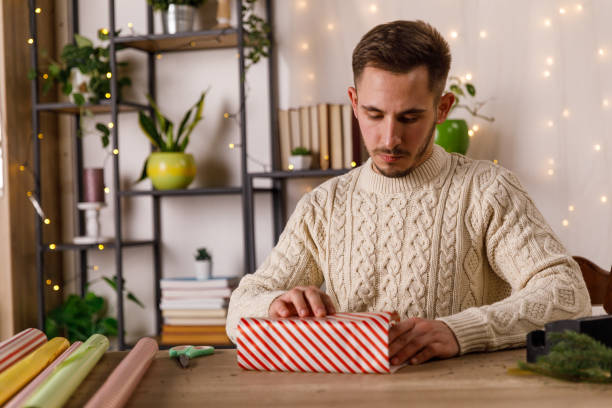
(256, 32)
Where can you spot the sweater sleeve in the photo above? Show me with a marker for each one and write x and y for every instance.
(294, 261)
(546, 283)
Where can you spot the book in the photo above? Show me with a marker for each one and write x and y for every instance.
(199, 304)
(314, 137)
(194, 313)
(284, 138)
(193, 329)
(194, 321)
(294, 123)
(335, 137)
(190, 282)
(195, 339)
(347, 136)
(196, 293)
(323, 119)
(305, 127)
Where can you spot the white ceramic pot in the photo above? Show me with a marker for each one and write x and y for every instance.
(203, 270)
(300, 162)
(80, 83)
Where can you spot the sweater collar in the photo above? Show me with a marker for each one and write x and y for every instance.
(429, 170)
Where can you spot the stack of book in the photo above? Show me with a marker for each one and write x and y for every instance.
(194, 311)
(330, 131)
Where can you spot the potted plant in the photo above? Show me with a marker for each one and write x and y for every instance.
(177, 15)
(453, 134)
(203, 264)
(170, 167)
(84, 74)
(300, 158)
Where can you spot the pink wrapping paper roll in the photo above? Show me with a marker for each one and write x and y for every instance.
(19, 346)
(20, 398)
(122, 382)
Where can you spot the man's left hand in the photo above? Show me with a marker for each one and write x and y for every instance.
(417, 340)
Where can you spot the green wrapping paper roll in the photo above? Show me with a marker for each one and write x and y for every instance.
(67, 376)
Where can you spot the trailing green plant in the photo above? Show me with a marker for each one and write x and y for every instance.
(574, 357)
(256, 32)
(92, 61)
(300, 151)
(160, 131)
(78, 318)
(202, 255)
(465, 92)
(162, 5)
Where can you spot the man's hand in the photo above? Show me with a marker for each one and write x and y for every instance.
(302, 301)
(419, 340)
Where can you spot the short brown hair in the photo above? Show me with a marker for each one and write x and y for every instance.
(401, 46)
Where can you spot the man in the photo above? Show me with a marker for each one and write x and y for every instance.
(454, 245)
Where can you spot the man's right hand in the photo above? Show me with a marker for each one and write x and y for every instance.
(302, 301)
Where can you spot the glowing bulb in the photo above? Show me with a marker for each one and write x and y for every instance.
(373, 8)
(22, 168)
(226, 115)
(159, 56)
(301, 4)
(551, 172)
(107, 95)
(51, 246)
(115, 151)
(130, 25)
(30, 41)
(603, 199)
(106, 190)
(547, 22)
(231, 145)
(597, 147)
(470, 132)
(111, 125)
(353, 164)
(45, 76)
(566, 113)
(41, 136)
(109, 75)
(47, 221)
(290, 167)
(475, 128)
(550, 61)
(605, 103)
(100, 247)
(305, 46)
(468, 76)
(571, 208)
(29, 194)
(104, 31)
(565, 223)
(601, 51)
(326, 157)
(454, 34)
(483, 34)
(55, 288)
(578, 7)
(48, 281)
(311, 76)
(550, 123)
(95, 267)
(37, 10)
(495, 161)
(546, 74)
(330, 27)
(562, 11)
(551, 162)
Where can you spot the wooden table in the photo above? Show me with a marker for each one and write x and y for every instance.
(476, 380)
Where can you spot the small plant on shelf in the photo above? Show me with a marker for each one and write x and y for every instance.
(162, 5)
(300, 159)
(465, 92)
(203, 264)
(84, 74)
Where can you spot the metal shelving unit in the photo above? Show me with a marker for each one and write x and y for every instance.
(152, 44)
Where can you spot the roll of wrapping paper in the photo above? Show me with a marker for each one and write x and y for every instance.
(19, 346)
(64, 380)
(122, 382)
(19, 374)
(20, 398)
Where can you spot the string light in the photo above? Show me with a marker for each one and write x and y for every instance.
(597, 147)
(579, 7)
(45, 76)
(565, 223)
(468, 76)
(550, 61)
(290, 167)
(353, 164)
(30, 41)
(562, 11)
(601, 52)
(566, 113)
(48, 281)
(373, 8)
(551, 172)
(301, 4)
(550, 123)
(304, 46)
(483, 34)
(571, 208)
(104, 31)
(547, 22)
(326, 157)
(232, 146)
(37, 10)
(454, 34)
(470, 133)
(226, 115)
(551, 162)
(100, 247)
(41, 136)
(52, 246)
(115, 151)
(546, 74)
(109, 75)
(603, 199)
(107, 95)
(56, 288)
(106, 190)
(95, 267)
(158, 56)
(111, 125)
(475, 128)
(130, 25)
(29, 194)
(605, 103)
(311, 76)
(495, 161)
(21, 167)
(47, 221)
(330, 26)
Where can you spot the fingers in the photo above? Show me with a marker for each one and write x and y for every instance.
(329, 305)
(401, 328)
(315, 301)
(303, 302)
(413, 346)
(429, 352)
(299, 302)
(427, 339)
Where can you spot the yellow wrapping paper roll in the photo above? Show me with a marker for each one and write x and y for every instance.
(18, 375)
(67, 376)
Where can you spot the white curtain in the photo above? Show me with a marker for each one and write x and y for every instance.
(545, 66)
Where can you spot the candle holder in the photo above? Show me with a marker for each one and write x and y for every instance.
(92, 223)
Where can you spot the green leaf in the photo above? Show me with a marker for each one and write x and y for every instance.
(182, 125)
(46, 87)
(82, 41)
(161, 119)
(134, 299)
(143, 173)
(105, 133)
(471, 89)
(78, 99)
(67, 88)
(148, 128)
(54, 70)
(32, 74)
(198, 116)
(456, 90)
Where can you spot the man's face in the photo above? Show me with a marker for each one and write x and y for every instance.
(397, 117)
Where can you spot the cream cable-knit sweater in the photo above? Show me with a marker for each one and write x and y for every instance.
(457, 240)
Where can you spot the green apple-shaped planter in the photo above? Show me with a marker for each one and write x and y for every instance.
(453, 136)
(170, 170)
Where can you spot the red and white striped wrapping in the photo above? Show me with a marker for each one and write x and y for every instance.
(338, 343)
(20, 345)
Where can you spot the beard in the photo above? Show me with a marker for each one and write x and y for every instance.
(396, 173)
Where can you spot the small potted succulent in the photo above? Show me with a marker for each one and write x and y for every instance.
(203, 263)
(177, 15)
(170, 167)
(454, 134)
(300, 159)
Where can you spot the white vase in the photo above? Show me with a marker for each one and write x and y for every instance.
(203, 270)
(80, 83)
(300, 162)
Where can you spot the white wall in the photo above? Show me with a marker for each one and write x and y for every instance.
(507, 66)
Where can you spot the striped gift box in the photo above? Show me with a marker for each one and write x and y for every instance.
(19, 346)
(339, 343)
